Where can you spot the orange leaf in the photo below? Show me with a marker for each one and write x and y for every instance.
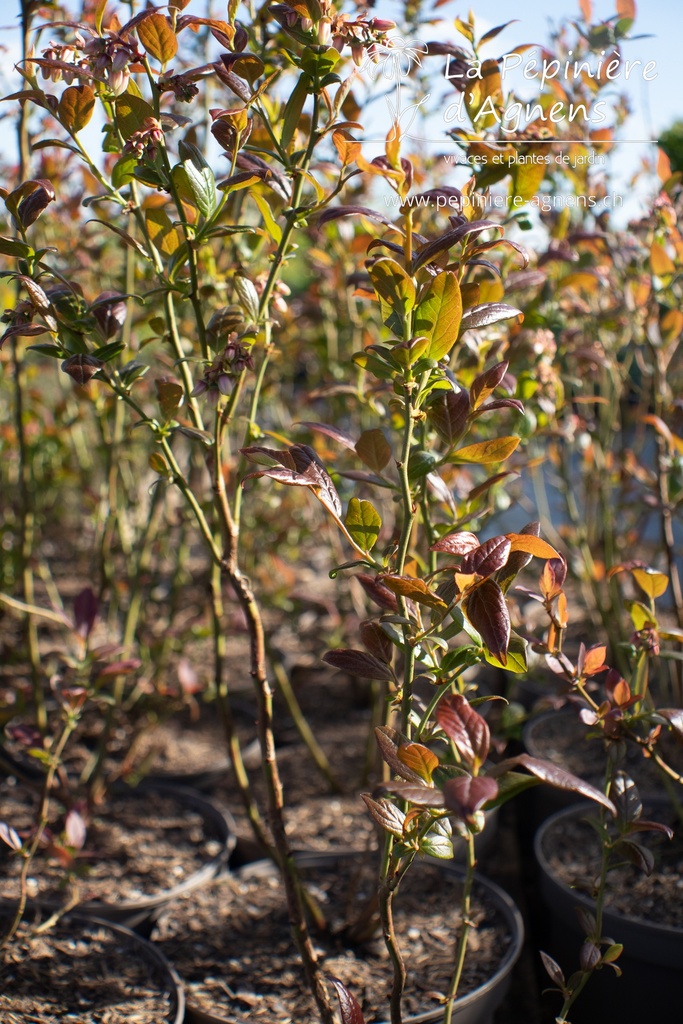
(419, 758)
(158, 38)
(532, 545)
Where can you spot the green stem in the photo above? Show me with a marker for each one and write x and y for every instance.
(466, 924)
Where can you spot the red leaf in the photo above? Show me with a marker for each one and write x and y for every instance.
(488, 313)
(447, 412)
(351, 1012)
(486, 383)
(459, 543)
(554, 776)
(334, 432)
(466, 795)
(487, 558)
(388, 741)
(378, 592)
(465, 727)
(484, 605)
(376, 640)
(86, 607)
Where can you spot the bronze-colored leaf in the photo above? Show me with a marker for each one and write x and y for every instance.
(458, 543)
(376, 640)
(76, 106)
(484, 606)
(349, 1009)
(378, 592)
(554, 776)
(373, 449)
(486, 383)
(388, 741)
(387, 815)
(415, 589)
(421, 796)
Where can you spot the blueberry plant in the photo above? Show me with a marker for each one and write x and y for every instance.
(188, 321)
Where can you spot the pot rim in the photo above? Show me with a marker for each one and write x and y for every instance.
(578, 810)
(134, 912)
(504, 903)
(174, 984)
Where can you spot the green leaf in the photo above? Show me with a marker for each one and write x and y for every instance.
(293, 110)
(131, 111)
(516, 656)
(13, 247)
(393, 285)
(158, 38)
(123, 171)
(272, 226)
(437, 842)
(76, 107)
(485, 452)
(196, 186)
(439, 314)
(363, 523)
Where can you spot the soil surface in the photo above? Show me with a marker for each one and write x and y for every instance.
(135, 847)
(231, 943)
(572, 849)
(83, 975)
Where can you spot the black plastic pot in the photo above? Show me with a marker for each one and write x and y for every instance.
(478, 1006)
(140, 914)
(651, 984)
(168, 981)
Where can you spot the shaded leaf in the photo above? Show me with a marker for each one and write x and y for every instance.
(378, 592)
(376, 640)
(373, 449)
(448, 412)
(335, 212)
(358, 663)
(86, 608)
(76, 106)
(421, 796)
(554, 776)
(467, 795)
(552, 969)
